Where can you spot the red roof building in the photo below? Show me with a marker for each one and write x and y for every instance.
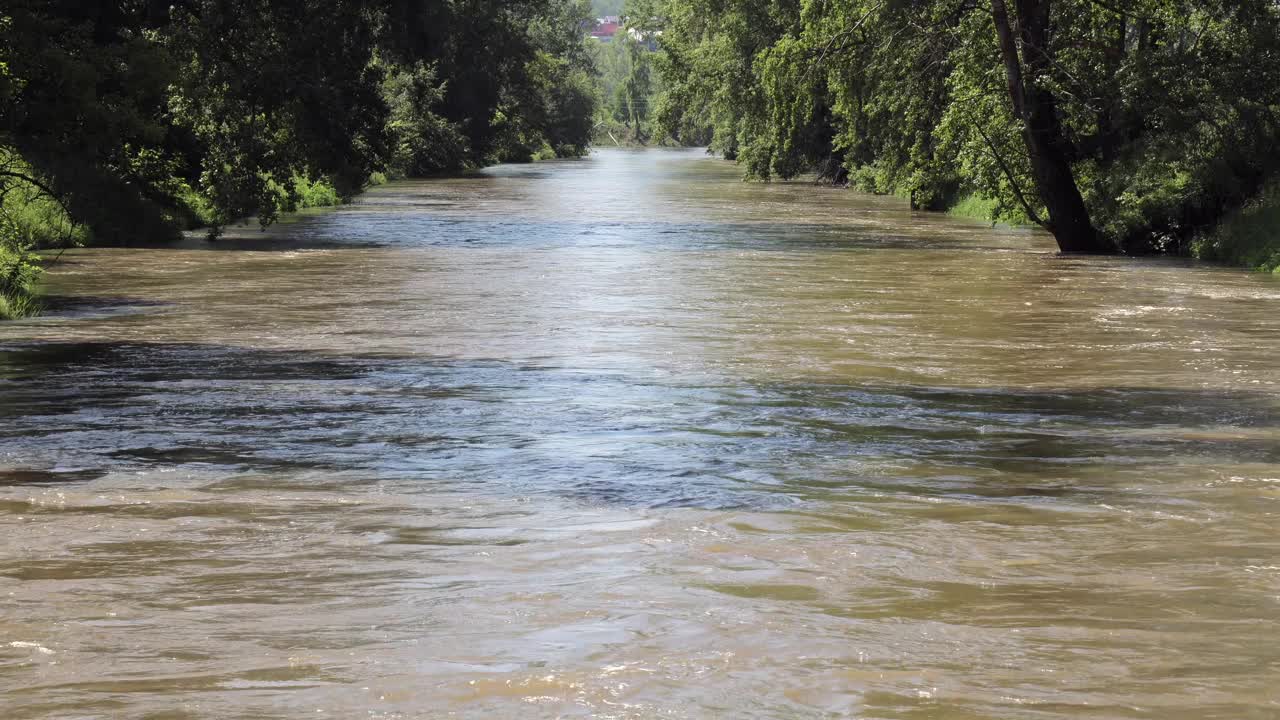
(605, 30)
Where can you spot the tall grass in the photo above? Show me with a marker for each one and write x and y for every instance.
(30, 219)
(975, 207)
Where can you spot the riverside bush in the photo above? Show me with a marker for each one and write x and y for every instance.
(19, 274)
(1249, 237)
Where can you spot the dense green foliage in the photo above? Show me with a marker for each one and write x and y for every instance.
(1249, 236)
(1161, 115)
(26, 219)
(629, 86)
(138, 118)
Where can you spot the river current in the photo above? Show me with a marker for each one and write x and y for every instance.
(626, 437)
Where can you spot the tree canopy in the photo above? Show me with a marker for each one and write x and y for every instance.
(1126, 125)
(143, 117)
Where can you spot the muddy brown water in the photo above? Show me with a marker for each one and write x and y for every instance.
(628, 438)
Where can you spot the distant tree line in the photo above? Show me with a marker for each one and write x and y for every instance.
(1119, 125)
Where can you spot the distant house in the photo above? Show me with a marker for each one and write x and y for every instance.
(606, 28)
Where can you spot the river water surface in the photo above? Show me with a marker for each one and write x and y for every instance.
(628, 438)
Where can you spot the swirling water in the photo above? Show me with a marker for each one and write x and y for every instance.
(628, 438)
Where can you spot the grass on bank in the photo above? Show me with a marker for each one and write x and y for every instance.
(19, 283)
(1248, 237)
(29, 220)
(977, 207)
(974, 207)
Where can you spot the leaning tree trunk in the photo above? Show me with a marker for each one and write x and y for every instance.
(1036, 110)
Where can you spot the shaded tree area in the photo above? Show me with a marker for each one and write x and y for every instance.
(140, 118)
(1121, 126)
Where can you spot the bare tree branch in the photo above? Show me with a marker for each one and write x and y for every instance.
(33, 182)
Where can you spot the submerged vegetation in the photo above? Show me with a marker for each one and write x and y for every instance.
(132, 121)
(1129, 126)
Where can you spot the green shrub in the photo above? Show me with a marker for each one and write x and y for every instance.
(194, 210)
(19, 276)
(315, 193)
(422, 141)
(1249, 237)
(28, 220)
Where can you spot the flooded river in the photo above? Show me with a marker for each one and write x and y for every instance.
(628, 438)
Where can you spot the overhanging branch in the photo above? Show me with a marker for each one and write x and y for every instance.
(1013, 183)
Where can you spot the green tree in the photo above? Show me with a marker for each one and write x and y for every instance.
(633, 95)
(134, 119)
(1127, 125)
(143, 117)
(512, 72)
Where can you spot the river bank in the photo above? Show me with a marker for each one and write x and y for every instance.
(1248, 238)
(34, 227)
